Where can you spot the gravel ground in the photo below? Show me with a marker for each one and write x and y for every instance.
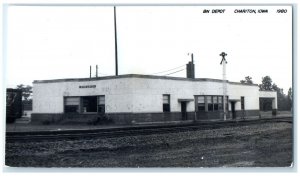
(262, 145)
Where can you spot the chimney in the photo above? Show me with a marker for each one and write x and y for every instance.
(190, 68)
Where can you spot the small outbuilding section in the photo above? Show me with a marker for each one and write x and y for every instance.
(266, 98)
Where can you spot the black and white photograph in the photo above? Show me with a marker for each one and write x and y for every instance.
(148, 86)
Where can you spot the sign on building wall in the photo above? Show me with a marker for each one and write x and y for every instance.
(87, 86)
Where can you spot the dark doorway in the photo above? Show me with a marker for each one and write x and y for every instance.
(183, 111)
(265, 104)
(233, 110)
(89, 104)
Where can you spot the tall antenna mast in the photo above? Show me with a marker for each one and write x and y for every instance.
(116, 45)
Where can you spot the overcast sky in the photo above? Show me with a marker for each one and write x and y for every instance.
(62, 42)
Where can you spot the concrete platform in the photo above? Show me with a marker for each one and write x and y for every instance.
(23, 120)
(26, 127)
(23, 127)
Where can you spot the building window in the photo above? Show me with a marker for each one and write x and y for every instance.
(226, 103)
(201, 103)
(209, 103)
(85, 104)
(72, 104)
(215, 102)
(220, 102)
(166, 103)
(243, 103)
(101, 104)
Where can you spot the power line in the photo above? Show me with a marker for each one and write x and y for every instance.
(157, 72)
(175, 72)
(168, 70)
(104, 74)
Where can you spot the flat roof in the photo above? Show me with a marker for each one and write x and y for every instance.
(137, 76)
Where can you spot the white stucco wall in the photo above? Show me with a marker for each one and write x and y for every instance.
(48, 97)
(268, 94)
(135, 94)
(250, 93)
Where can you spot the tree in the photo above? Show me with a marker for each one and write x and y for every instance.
(266, 83)
(290, 94)
(283, 101)
(277, 89)
(281, 98)
(248, 80)
(290, 97)
(26, 92)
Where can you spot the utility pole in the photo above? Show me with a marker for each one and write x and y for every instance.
(90, 71)
(96, 71)
(224, 62)
(116, 45)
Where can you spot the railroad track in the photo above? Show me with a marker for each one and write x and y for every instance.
(132, 131)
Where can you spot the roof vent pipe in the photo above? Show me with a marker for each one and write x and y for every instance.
(90, 71)
(96, 71)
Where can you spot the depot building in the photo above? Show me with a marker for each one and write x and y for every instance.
(133, 99)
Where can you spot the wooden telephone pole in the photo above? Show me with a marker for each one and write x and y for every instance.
(116, 45)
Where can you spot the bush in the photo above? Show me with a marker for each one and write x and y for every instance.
(101, 120)
(46, 122)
